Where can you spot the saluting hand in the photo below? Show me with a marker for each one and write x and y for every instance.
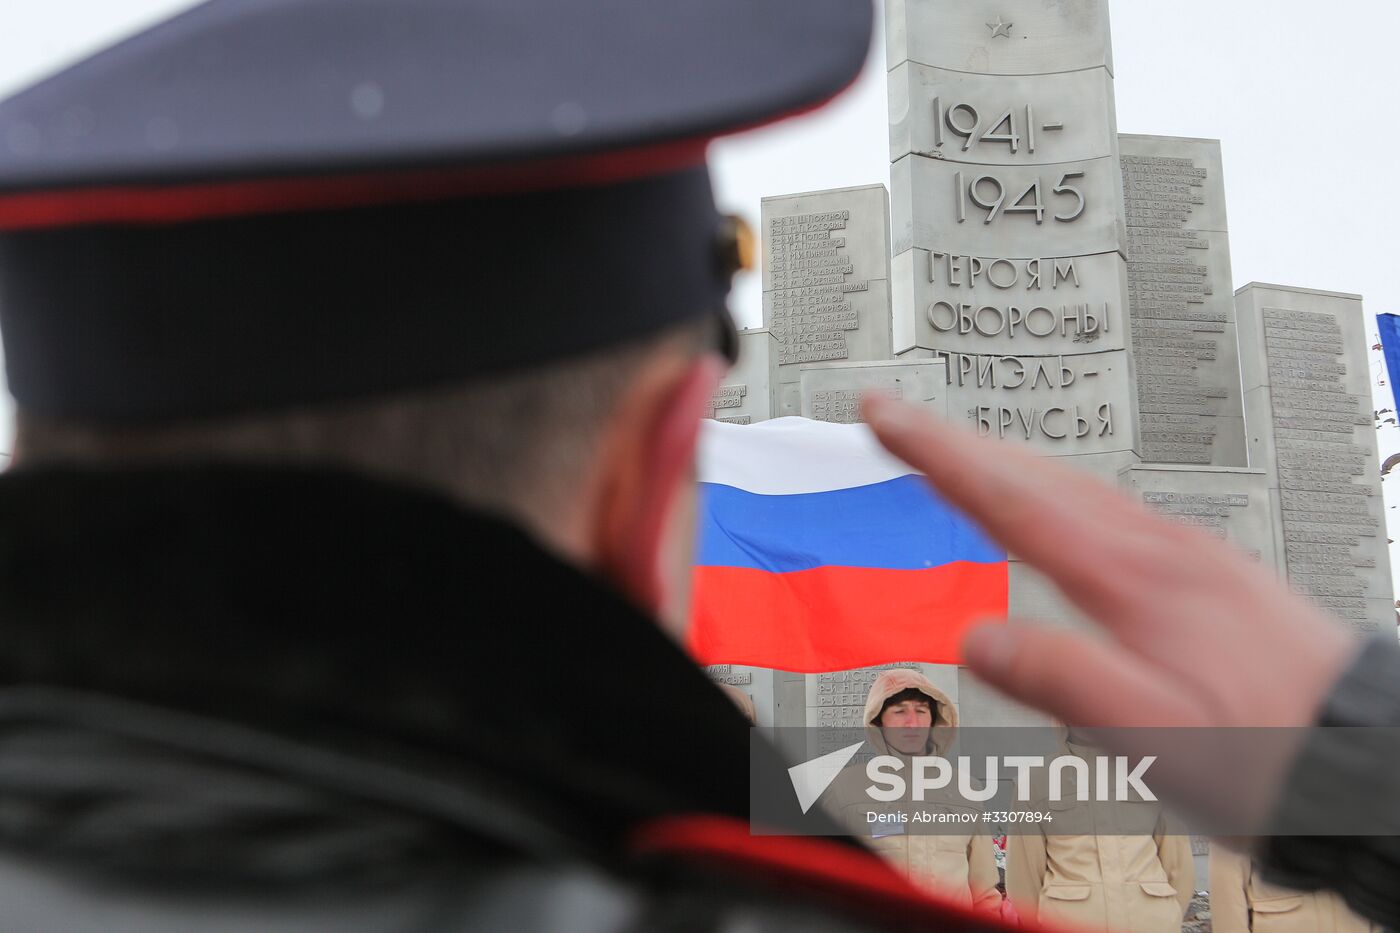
(1196, 633)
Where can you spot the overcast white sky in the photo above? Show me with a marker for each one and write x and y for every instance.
(1301, 94)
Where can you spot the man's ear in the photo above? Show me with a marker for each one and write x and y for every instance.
(647, 474)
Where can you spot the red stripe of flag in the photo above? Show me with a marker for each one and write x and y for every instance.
(839, 618)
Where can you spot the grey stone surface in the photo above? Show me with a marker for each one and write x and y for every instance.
(1308, 407)
(757, 682)
(1009, 257)
(1232, 503)
(1180, 295)
(745, 396)
(980, 705)
(1111, 338)
(832, 392)
(826, 290)
(1062, 405)
(1030, 597)
(1036, 36)
(1066, 209)
(987, 304)
(944, 114)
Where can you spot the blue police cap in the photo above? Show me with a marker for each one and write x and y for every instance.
(271, 203)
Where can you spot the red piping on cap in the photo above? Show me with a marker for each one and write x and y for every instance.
(173, 204)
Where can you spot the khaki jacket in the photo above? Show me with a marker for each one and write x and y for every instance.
(960, 866)
(1136, 883)
(1243, 902)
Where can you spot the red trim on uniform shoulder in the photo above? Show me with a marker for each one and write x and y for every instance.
(173, 204)
(837, 870)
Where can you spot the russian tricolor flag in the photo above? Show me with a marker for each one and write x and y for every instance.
(819, 551)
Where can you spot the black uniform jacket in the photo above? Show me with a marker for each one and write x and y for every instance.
(240, 698)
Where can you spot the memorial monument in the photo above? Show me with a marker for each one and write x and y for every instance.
(1043, 279)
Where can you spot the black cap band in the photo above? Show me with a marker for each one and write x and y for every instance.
(236, 315)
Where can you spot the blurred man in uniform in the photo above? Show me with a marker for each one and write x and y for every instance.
(907, 716)
(1241, 901)
(360, 348)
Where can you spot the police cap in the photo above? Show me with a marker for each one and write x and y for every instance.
(271, 203)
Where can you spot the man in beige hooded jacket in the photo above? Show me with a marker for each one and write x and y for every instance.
(1243, 902)
(958, 866)
(1140, 882)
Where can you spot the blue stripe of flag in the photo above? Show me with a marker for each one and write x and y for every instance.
(1389, 327)
(895, 525)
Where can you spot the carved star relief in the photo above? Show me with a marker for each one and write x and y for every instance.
(1000, 28)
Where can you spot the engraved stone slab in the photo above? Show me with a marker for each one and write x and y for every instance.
(1003, 37)
(959, 117)
(1062, 405)
(990, 304)
(825, 281)
(1232, 503)
(1016, 212)
(1035, 357)
(1183, 321)
(1307, 399)
(757, 682)
(832, 392)
(745, 395)
(1008, 220)
(1074, 368)
(837, 699)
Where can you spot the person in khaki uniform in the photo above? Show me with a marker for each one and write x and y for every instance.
(1141, 882)
(1243, 902)
(907, 716)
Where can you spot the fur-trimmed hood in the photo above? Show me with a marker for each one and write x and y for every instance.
(890, 682)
